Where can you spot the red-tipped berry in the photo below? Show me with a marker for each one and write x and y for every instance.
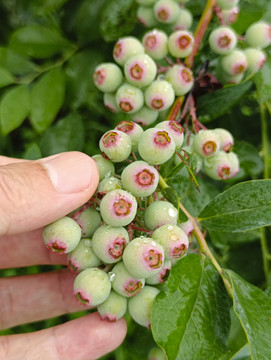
(174, 129)
(155, 44)
(140, 70)
(114, 307)
(206, 143)
(129, 98)
(107, 77)
(222, 40)
(125, 48)
(159, 213)
(116, 145)
(159, 95)
(83, 257)
(181, 78)
(180, 43)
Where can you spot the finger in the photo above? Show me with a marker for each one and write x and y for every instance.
(35, 193)
(27, 249)
(4, 160)
(86, 338)
(37, 297)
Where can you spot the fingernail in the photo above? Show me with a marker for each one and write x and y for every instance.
(70, 172)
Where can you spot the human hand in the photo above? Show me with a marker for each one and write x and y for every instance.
(33, 194)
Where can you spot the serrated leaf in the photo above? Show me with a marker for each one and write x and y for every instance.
(219, 102)
(38, 41)
(253, 308)
(6, 78)
(191, 319)
(47, 97)
(243, 207)
(15, 108)
(15, 63)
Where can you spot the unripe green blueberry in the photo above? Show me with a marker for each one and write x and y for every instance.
(221, 166)
(226, 4)
(83, 257)
(166, 11)
(110, 102)
(256, 58)
(156, 146)
(109, 242)
(118, 208)
(187, 227)
(107, 77)
(181, 78)
(258, 35)
(133, 130)
(105, 167)
(92, 286)
(140, 70)
(180, 43)
(156, 353)
(125, 48)
(155, 44)
(174, 129)
(124, 283)
(160, 277)
(145, 116)
(159, 95)
(62, 235)
(184, 20)
(140, 178)
(225, 138)
(114, 307)
(230, 16)
(116, 145)
(145, 16)
(145, 2)
(129, 98)
(234, 63)
(89, 220)
(231, 79)
(206, 143)
(222, 40)
(143, 257)
(173, 240)
(140, 306)
(108, 184)
(159, 213)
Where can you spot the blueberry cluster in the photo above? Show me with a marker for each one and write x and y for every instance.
(235, 62)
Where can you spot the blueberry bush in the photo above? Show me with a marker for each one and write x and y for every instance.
(172, 99)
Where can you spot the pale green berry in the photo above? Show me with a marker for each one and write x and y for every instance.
(187, 227)
(107, 77)
(256, 58)
(116, 145)
(83, 257)
(105, 167)
(222, 40)
(156, 353)
(89, 220)
(110, 102)
(175, 130)
(159, 95)
(226, 4)
(118, 208)
(230, 16)
(145, 116)
(140, 306)
(173, 239)
(156, 146)
(125, 48)
(140, 70)
(140, 178)
(114, 307)
(143, 257)
(133, 130)
(62, 235)
(232, 79)
(234, 63)
(206, 143)
(258, 35)
(166, 11)
(226, 139)
(159, 213)
(109, 242)
(181, 78)
(180, 43)
(92, 286)
(184, 20)
(146, 16)
(161, 276)
(221, 166)
(155, 44)
(108, 184)
(124, 283)
(129, 98)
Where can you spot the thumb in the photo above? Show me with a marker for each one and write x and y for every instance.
(35, 193)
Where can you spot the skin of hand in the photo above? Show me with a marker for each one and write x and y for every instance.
(33, 194)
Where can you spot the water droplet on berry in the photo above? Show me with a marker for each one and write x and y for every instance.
(111, 276)
(170, 228)
(172, 212)
(87, 243)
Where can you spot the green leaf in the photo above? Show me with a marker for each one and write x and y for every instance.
(14, 108)
(263, 82)
(219, 102)
(38, 41)
(32, 152)
(15, 63)
(251, 12)
(253, 308)
(118, 19)
(191, 319)
(243, 207)
(66, 135)
(47, 97)
(171, 195)
(6, 78)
